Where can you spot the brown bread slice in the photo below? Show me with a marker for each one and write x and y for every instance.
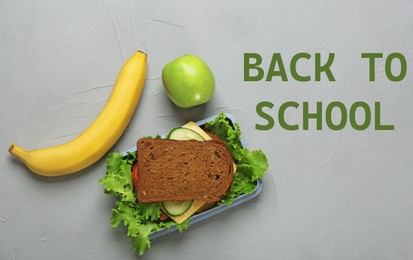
(171, 170)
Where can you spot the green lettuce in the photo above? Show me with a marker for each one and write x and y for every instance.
(142, 219)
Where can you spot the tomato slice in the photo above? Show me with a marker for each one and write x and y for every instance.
(135, 175)
(163, 216)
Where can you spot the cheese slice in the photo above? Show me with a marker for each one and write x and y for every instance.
(193, 126)
(197, 205)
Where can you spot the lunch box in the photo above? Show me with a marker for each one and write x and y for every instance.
(217, 209)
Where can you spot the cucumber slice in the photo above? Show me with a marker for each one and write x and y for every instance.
(182, 133)
(176, 208)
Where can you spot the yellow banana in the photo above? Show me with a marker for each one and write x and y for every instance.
(100, 136)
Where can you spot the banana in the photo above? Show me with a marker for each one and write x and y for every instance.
(100, 136)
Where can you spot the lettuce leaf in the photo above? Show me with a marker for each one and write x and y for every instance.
(142, 219)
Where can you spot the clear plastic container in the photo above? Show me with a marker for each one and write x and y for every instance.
(217, 209)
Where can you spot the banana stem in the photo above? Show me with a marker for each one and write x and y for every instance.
(18, 152)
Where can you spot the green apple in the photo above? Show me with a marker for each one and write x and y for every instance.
(188, 81)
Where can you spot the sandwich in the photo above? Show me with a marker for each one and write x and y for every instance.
(167, 180)
(184, 172)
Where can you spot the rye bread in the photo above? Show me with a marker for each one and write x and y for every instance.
(171, 170)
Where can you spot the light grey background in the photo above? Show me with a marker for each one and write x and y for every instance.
(327, 194)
